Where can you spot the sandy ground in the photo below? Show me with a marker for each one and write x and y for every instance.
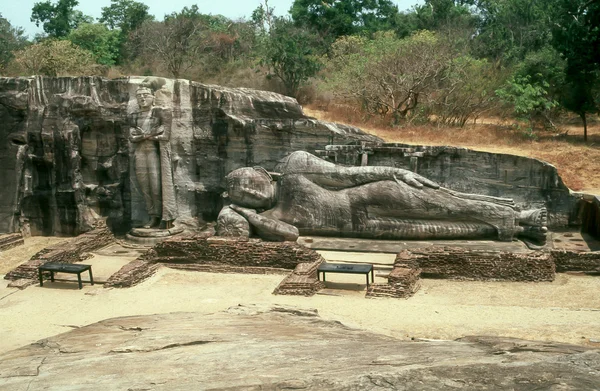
(567, 310)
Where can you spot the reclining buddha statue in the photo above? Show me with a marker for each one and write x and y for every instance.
(312, 196)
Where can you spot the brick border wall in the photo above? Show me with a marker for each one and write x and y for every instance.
(11, 240)
(133, 273)
(566, 261)
(403, 282)
(458, 263)
(303, 281)
(69, 251)
(234, 252)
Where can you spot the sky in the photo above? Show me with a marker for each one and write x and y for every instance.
(19, 12)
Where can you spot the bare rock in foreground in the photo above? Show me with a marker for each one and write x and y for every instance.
(279, 347)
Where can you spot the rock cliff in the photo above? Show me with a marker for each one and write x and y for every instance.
(65, 156)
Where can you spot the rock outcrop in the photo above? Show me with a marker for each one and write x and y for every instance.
(276, 348)
(65, 155)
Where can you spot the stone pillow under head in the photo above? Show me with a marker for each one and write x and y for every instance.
(232, 224)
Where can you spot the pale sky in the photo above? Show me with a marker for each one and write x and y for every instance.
(18, 12)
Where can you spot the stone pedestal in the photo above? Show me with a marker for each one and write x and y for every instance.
(152, 236)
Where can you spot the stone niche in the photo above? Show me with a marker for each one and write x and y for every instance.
(65, 155)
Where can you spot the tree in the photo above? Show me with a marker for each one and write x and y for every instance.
(441, 14)
(387, 75)
(59, 19)
(336, 18)
(527, 97)
(176, 43)
(125, 15)
(99, 40)
(576, 36)
(509, 29)
(465, 90)
(11, 40)
(53, 57)
(291, 54)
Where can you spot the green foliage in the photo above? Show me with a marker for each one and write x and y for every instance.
(527, 97)
(58, 19)
(509, 29)
(289, 53)
(125, 15)
(11, 40)
(576, 36)
(334, 18)
(443, 14)
(99, 40)
(56, 58)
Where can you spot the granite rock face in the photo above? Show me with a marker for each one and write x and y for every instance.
(531, 183)
(280, 348)
(66, 159)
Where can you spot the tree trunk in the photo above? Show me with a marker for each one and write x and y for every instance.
(583, 117)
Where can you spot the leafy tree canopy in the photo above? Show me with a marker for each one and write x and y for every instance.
(576, 36)
(126, 15)
(99, 40)
(335, 18)
(58, 19)
(291, 54)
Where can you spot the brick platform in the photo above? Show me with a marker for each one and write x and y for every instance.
(403, 282)
(566, 261)
(461, 264)
(233, 252)
(9, 241)
(70, 251)
(132, 274)
(302, 281)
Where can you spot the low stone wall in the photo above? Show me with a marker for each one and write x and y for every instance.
(69, 251)
(235, 252)
(566, 261)
(461, 264)
(132, 274)
(303, 281)
(10, 240)
(218, 268)
(403, 282)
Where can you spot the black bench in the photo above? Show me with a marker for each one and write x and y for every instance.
(72, 268)
(355, 268)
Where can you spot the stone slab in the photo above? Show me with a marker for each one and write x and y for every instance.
(394, 247)
(283, 348)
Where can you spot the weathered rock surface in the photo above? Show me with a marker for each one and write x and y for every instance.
(531, 183)
(277, 348)
(65, 156)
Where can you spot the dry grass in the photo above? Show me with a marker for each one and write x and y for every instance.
(578, 163)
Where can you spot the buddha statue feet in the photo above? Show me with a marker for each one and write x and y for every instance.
(154, 223)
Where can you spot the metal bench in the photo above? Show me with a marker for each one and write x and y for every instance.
(355, 268)
(54, 267)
